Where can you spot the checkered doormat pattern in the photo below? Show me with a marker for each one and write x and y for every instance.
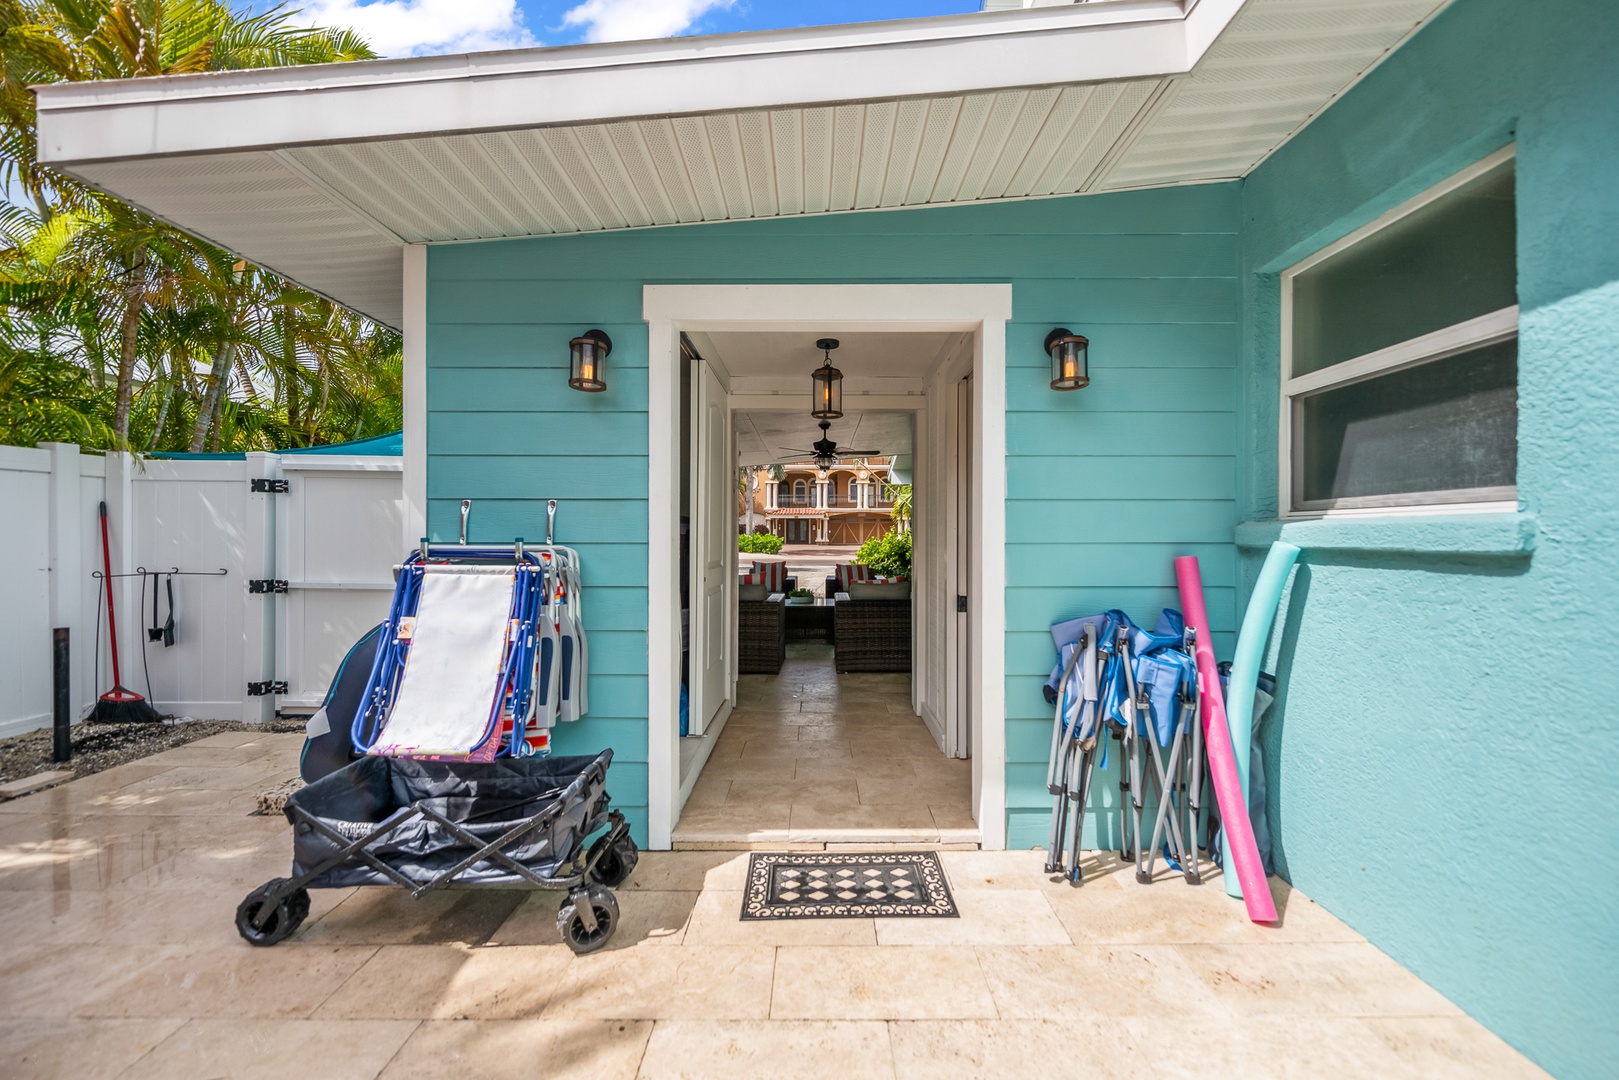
(857, 885)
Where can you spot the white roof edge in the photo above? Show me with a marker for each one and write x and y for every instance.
(415, 97)
(610, 54)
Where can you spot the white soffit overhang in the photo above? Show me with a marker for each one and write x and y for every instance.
(324, 173)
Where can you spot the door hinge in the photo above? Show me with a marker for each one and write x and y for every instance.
(961, 603)
(267, 585)
(265, 689)
(262, 485)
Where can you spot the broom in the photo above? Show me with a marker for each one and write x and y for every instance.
(119, 705)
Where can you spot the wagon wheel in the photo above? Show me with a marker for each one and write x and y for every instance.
(572, 927)
(281, 923)
(615, 859)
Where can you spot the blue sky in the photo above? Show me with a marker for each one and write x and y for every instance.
(417, 27)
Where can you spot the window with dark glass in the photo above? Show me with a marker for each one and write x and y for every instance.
(1400, 350)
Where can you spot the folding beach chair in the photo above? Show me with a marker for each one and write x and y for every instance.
(1084, 649)
(453, 677)
(1160, 712)
(1113, 678)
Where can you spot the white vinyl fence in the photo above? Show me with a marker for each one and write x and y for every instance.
(318, 533)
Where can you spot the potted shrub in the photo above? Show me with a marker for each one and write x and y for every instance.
(888, 555)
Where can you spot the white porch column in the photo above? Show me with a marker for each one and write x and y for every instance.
(771, 494)
(415, 395)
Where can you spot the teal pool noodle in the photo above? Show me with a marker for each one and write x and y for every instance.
(1239, 702)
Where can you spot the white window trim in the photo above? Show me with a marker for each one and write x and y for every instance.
(1487, 329)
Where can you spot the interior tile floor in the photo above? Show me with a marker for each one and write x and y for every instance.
(119, 959)
(812, 757)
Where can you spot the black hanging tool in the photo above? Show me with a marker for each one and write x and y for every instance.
(154, 632)
(168, 622)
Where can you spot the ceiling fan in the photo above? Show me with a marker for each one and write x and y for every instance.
(825, 451)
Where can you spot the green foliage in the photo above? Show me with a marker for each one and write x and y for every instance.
(801, 594)
(120, 332)
(759, 543)
(900, 494)
(888, 555)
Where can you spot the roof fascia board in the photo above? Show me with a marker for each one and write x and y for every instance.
(418, 98)
(567, 58)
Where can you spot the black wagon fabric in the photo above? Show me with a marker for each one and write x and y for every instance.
(485, 799)
(331, 750)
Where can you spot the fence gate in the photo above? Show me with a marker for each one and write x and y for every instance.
(338, 529)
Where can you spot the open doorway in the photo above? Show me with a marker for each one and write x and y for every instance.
(860, 731)
(824, 741)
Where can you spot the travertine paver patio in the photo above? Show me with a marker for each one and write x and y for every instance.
(811, 755)
(120, 959)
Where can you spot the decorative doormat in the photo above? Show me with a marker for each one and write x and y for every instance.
(857, 885)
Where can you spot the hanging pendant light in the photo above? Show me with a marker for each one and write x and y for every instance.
(826, 385)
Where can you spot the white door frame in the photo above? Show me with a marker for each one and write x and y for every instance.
(981, 309)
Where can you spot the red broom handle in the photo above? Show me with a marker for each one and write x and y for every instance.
(106, 566)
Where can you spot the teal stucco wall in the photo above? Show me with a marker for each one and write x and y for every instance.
(1105, 485)
(1449, 728)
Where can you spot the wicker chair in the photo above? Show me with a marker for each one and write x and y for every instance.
(871, 635)
(762, 635)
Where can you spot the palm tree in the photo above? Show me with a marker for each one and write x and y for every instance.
(901, 510)
(45, 41)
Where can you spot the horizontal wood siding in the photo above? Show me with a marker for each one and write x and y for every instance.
(1105, 485)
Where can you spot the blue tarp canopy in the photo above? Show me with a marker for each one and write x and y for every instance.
(389, 445)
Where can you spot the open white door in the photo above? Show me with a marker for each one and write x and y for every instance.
(960, 731)
(713, 544)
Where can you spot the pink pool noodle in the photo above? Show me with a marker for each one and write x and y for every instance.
(1222, 759)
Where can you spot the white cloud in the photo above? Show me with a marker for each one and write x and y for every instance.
(633, 20)
(418, 27)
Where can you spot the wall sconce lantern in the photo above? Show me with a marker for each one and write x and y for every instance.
(1070, 361)
(826, 384)
(589, 354)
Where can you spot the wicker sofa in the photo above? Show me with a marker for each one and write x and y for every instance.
(871, 634)
(762, 635)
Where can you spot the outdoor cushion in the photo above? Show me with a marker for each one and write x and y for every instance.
(867, 590)
(752, 592)
(849, 573)
(772, 574)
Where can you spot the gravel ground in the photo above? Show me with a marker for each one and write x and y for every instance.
(101, 746)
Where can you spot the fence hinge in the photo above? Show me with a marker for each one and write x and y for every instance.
(265, 689)
(267, 585)
(263, 485)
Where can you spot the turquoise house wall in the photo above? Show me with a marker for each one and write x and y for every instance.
(1105, 485)
(1449, 711)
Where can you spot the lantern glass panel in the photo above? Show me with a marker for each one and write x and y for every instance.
(1070, 362)
(826, 384)
(587, 362)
